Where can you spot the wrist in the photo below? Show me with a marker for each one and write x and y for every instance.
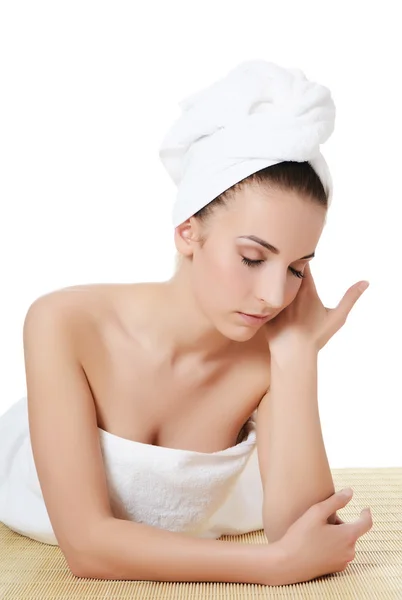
(298, 349)
(271, 560)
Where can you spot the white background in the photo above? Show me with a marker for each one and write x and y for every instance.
(89, 89)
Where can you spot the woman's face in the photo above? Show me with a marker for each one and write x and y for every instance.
(222, 281)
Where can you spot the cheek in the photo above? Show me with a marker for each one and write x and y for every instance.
(292, 293)
(223, 279)
(212, 277)
(233, 277)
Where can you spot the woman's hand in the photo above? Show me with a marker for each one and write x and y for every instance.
(306, 319)
(334, 519)
(312, 547)
(338, 520)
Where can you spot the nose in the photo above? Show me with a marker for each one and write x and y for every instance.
(272, 294)
(270, 307)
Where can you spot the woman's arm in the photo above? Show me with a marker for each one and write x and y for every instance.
(293, 463)
(68, 459)
(134, 551)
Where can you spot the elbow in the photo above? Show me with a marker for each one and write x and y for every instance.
(85, 562)
(274, 529)
(84, 573)
(77, 570)
(276, 522)
(87, 568)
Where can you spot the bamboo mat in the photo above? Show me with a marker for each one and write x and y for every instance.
(32, 570)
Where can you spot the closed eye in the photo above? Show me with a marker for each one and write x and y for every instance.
(256, 263)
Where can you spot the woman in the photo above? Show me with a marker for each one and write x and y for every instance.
(137, 441)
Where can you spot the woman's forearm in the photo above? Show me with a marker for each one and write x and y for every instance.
(296, 470)
(126, 550)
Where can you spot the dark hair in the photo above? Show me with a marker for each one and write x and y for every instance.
(294, 176)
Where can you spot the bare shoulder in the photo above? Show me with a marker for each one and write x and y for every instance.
(82, 308)
(87, 297)
(111, 315)
(91, 311)
(72, 303)
(82, 297)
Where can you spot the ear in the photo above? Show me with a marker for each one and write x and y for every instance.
(186, 236)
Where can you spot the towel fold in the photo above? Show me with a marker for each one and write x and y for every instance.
(257, 115)
(200, 494)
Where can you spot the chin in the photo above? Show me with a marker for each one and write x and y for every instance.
(240, 333)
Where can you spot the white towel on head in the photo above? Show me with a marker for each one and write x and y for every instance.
(201, 494)
(260, 114)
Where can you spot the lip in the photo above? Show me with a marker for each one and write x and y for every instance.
(253, 320)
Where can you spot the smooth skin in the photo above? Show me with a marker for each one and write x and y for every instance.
(312, 547)
(174, 364)
(312, 544)
(307, 320)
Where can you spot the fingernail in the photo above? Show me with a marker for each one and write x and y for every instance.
(347, 491)
(363, 286)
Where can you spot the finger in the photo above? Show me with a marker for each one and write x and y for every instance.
(308, 277)
(308, 286)
(363, 524)
(338, 500)
(348, 301)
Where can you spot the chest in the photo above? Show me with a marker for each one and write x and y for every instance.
(204, 408)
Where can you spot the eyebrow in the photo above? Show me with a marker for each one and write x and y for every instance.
(269, 246)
